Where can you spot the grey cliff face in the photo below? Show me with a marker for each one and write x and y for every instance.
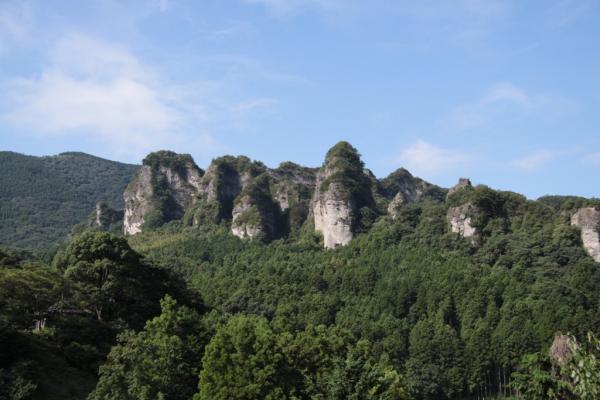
(342, 188)
(252, 220)
(403, 188)
(255, 214)
(138, 201)
(397, 202)
(182, 187)
(588, 220)
(245, 229)
(293, 187)
(178, 188)
(221, 183)
(224, 181)
(333, 215)
(460, 221)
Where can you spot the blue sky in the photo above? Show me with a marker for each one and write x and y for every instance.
(504, 92)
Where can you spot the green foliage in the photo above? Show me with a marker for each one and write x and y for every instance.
(346, 171)
(243, 361)
(583, 369)
(577, 376)
(534, 379)
(203, 213)
(405, 310)
(105, 273)
(247, 359)
(568, 203)
(98, 287)
(33, 368)
(435, 367)
(168, 159)
(16, 382)
(26, 293)
(41, 198)
(161, 361)
(360, 377)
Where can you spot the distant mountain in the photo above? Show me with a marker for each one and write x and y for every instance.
(41, 198)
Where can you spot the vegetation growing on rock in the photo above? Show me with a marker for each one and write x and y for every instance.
(407, 309)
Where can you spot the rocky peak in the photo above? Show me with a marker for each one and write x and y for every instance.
(403, 188)
(588, 220)
(342, 189)
(160, 191)
(463, 183)
(223, 182)
(294, 184)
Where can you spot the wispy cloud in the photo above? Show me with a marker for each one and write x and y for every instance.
(534, 160)
(425, 159)
(287, 7)
(421, 9)
(100, 90)
(503, 98)
(237, 67)
(253, 106)
(592, 158)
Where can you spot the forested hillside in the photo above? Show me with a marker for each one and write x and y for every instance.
(41, 198)
(466, 293)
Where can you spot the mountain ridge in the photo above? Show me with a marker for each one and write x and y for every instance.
(42, 198)
(255, 200)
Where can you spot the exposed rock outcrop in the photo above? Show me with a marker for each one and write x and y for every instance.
(293, 188)
(403, 188)
(463, 183)
(294, 184)
(105, 217)
(138, 201)
(334, 216)
(460, 220)
(160, 191)
(223, 182)
(560, 350)
(588, 220)
(254, 213)
(342, 189)
(397, 202)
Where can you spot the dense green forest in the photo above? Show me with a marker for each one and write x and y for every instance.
(41, 198)
(407, 310)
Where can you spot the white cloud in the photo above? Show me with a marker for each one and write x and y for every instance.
(506, 92)
(534, 160)
(253, 106)
(592, 158)
(91, 88)
(100, 92)
(426, 159)
(505, 98)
